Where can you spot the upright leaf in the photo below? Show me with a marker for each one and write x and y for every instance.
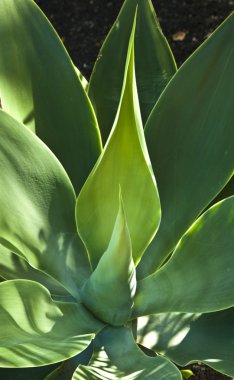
(37, 331)
(39, 87)
(154, 63)
(203, 259)
(124, 162)
(116, 271)
(190, 137)
(37, 204)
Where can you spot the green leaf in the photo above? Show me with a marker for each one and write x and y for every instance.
(194, 337)
(154, 63)
(115, 271)
(37, 331)
(190, 138)
(198, 278)
(186, 373)
(124, 162)
(14, 267)
(34, 373)
(66, 370)
(82, 79)
(37, 204)
(40, 88)
(126, 361)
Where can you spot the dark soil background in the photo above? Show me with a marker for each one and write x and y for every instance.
(83, 25)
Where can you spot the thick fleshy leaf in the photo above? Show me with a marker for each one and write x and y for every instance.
(154, 63)
(37, 331)
(126, 361)
(203, 259)
(124, 162)
(115, 270)
(66, 370)
(194, 337)
(190, 137)
(82, 79)
(14, 267)
(37, 203)
(40, 88)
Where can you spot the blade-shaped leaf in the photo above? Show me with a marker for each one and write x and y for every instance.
(40, 87)
(37, 331)
(154, 63)
(37, 203)
(190, 137)
(115, 270)
(195, 337)
(203, 259)
(124, 162)
(14, 267)
(126, 361)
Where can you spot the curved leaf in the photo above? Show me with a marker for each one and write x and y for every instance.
(203, 259)
(195, 337)
(40, 88)
(190, 138)
(124, 162)
(14, 267)
(37, 203)
(115, 270)
(126, 361)
(37, 331)
(154, 63)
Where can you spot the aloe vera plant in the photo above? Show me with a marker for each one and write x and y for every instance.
(111, 231)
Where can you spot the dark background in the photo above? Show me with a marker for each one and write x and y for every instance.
(83, 25)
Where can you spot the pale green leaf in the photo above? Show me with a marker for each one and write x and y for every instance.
(40, 88)
(184, 338)
(154, 63)
(37, 331)
(126, 361)
(37, 204)
(190, 137)
(198, 278)
(124, 162)
(116, 271)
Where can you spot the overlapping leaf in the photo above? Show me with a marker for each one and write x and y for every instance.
(124, 162)
(37, 331)
(190, 137)
(198, 278)
(154, 63)
(40, 88)
(37, 203)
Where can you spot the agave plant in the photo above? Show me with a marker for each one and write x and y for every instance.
(108, 202)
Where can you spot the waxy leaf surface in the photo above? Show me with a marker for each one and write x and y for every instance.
(190, 137)
(37, 203)
(124, 162)
(154, 63)
(37, 331)
(110, 290)
(39, 87)
(198, 278)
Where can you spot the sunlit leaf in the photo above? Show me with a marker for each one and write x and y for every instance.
(190, 137)
(39, 87)
(124, 162)
(198, 277)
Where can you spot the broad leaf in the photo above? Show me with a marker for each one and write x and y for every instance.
(194, 337)
(37, 331)
(124, 162)
(203, 259)
(34, 373)
(116, 271)
(14, 267)
(39, 86)
(37, 203)
(190, 137)
(154, 63)
(126, 361)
